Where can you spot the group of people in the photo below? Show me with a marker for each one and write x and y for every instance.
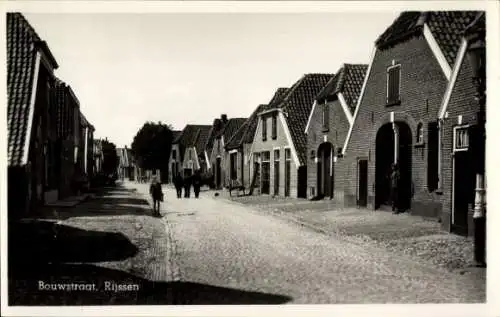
(186, 183)
(155, 189)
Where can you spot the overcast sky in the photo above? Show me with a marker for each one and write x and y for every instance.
(182, 68)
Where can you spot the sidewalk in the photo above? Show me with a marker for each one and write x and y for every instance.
(110, 238)
(412, 236)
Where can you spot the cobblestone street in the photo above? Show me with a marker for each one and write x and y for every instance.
(209, 251)
(216, 242)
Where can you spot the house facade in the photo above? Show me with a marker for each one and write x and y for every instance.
(194, 156)
(220, 160)
(184, 161)
(125, 167)
(327, 128)
(460, 155)
(278, 157)
(396, 118)
(98, 157)
(238, 149)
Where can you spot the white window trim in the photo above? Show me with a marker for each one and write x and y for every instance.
(29, 128)
(453, 80)
(289, 138)
(387, 81)
(360, 99)
(232, 151)
(345, 107)
(310, 116)
(460, 127)
(436, 50)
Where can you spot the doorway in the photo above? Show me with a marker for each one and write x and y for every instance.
(218, 166)
(325, 170)
(363, 182)
(463, 181)
(384, 157)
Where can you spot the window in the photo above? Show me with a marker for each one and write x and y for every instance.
(276, 172)
(326, 117)
(432, 156)
(189, 155)
(266, 171)
(393, 84)
(274, 132)
(461, 139)
(420, 133)
(174, 154)
(312, 155)
(264, 128)
(288, 159)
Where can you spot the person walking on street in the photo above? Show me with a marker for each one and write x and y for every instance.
(178, 183)
(156, 194)
(187, 186)
(395, 180)
(196, 184)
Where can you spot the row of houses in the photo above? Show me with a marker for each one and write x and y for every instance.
(335, 135)
(50, 141)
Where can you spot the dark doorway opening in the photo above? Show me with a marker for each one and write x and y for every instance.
(363, 183)
(384, 157)
(218, 166)
(325, 170)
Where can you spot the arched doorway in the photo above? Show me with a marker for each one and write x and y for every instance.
(389, 136)
(325, 170)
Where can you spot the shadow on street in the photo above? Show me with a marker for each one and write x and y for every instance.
(45, 253)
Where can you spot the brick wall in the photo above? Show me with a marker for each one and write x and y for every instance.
(270, 145)
(461, 103)
(337, 132)
(422, 87)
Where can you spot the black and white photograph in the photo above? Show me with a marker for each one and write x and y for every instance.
(243, 155)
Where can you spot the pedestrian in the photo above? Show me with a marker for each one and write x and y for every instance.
(187, 186)
(196, 184)
(156, 194)
(178, 183)
(395, 178)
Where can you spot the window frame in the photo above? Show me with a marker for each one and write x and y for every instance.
(455, 134)
(274, 126)
(397, 100)
(264, 128)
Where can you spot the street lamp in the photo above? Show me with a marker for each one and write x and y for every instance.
(476, 54)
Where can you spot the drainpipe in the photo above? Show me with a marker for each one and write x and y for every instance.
(396, 142)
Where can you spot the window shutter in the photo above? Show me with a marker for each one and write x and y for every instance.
(326, 116)
(432, 156)
(274, 127)
(393, 84)
(264, 129)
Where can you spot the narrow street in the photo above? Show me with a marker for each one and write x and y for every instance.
(223, 244)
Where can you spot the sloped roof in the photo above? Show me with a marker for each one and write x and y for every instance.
(298, 104)
(176, 134)
(245, 133)
(349, 81)
(201, 139)
(446, 26)
(232, 127)
(278, 97)
(22, 45)
(217, 127)
(191, 133)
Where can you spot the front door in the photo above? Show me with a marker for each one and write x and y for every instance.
(463, 181)
(363, 183)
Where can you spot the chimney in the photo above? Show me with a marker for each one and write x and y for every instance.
(223, 117)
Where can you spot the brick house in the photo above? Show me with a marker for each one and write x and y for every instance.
(219, 158)
(458, 119)
(68, 105)
(286, 145)
(98, 157)
(326, 130)
(396, 118)
(31, 118)
(184, 153)
(124, 168)
(217, 126)
(84, 156)
(239, 147)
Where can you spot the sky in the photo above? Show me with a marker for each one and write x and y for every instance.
(181, 68)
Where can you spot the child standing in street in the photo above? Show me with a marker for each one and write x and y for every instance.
(156, 194)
